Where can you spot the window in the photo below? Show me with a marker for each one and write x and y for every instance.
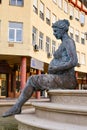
(76, 14)
(82, 19)
(82, 38)
(16, 2)
(41, 10)
(77, 36)
(41, 40)
(55, 1)
(71, 11)
(0, 29)
(86, 36)
(83, 59)
(35, 6)
(15, 32)
(48, 16)
(54, 18)
(60, 3)
(48, 44)
(65, 7)
(78, 56)
(71, 30)
(53, 46)
(34, 36)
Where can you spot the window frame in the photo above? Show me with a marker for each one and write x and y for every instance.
(78, 56)
(60, 4)
(41, 12)
(77, 36)
(55, 1)
(48, 16)
(35, 6)
(83, 58)
(15, 31)
(34, 35)
(16, 3)
(41, 37)
(54, 18)
(71, 31)
(65, 6)
(83, 38)
(71, 10)
(48, 42)
(76, 14)
(82, 18)
(53, 46)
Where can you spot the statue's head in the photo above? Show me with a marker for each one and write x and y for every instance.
(60, 27)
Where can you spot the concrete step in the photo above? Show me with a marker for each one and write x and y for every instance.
(62, 113)
(69, 97)
(28, 120)
(6, 104)
(67, 110)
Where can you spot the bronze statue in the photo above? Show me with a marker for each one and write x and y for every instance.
(61, 74)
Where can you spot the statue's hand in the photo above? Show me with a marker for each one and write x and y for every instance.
(52, 70)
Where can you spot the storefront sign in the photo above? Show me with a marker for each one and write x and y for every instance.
(36, 64)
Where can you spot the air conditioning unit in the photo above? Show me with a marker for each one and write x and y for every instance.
(78, 64)
(77, 19)
(49, 55)
(82, 24)
(71, 17)
(36, 48)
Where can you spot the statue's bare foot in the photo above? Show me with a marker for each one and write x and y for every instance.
(14, 110)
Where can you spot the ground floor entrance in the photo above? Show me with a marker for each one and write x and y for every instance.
(14, 72)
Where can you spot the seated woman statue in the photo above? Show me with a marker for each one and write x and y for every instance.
(61, 74)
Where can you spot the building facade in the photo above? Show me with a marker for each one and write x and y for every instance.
(27, 42)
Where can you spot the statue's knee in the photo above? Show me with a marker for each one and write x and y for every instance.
(30, 81)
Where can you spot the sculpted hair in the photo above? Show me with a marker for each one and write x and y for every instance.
(62, 24)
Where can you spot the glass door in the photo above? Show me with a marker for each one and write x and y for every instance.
(3, 84)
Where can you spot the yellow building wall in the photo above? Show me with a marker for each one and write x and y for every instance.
(26, 15)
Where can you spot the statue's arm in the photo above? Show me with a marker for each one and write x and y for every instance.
(71, 58)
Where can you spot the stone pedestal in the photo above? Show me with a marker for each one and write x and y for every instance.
(66, 110)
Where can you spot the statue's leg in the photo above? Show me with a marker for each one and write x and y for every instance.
(24, 96)
(34, 83)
